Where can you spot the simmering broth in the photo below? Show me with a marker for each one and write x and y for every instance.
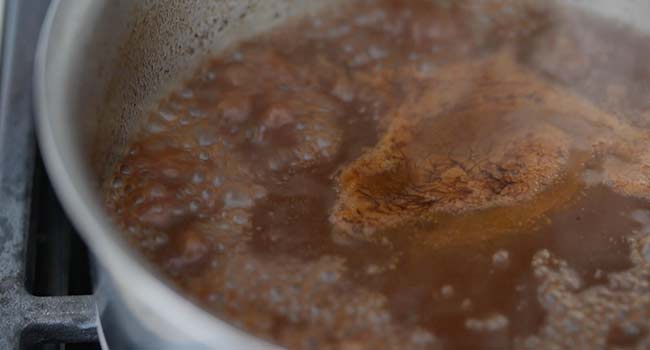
(407, 175)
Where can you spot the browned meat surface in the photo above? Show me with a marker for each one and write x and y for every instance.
(472, 136)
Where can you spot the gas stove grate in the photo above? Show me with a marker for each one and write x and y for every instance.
(45, 300)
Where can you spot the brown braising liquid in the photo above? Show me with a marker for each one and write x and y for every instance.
(407, 175)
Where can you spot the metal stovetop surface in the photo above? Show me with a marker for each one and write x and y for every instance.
(38, 246)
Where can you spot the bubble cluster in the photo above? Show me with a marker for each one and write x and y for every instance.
(491, 323)
(599, 317)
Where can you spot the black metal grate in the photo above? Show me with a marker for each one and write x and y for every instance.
(56, 258)
(45, 300)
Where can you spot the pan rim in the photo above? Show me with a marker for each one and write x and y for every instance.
(125, 268)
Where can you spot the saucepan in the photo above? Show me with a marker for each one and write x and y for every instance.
(101, 64)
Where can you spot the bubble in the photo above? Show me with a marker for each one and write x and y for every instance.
(492, 323)
(187, 190)
(205, 138)
(206, 194)
(197, 178)
(644, 249)
(592, 177)
(237, 56)
(133, 150)
(339, 31)
(196, 112)
(171, 173)
(329, 276)
(259, 192)
(155, 127)
(421, 337)
(204, 156)
(158, 191)
(210, 76)
(235, 108)
(323, 143)
(273, 164)
(274, 295)
(501, 259)
(125, 169)
(186, 93)
(599, 274)
(278, 115)
(176, 106)
(447, 291)
(372, 269)
(425, 68)
(167, 115)
(372, 17)
(117, 183)
(237, 199)
(570, 326)
(184, 121)
(159, 239)
(317, 22)
(377, 53)
(307, 156)
(643, 218)
(360, 60)
(240, 219)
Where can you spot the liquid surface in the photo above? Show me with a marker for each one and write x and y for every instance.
(408, 175)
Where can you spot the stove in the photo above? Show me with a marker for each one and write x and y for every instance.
(45, 291)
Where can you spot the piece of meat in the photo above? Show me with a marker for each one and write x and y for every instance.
(473, 136)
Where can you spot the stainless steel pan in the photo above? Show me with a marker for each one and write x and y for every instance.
(100, 65)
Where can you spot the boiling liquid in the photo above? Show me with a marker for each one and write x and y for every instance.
(230, 185)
